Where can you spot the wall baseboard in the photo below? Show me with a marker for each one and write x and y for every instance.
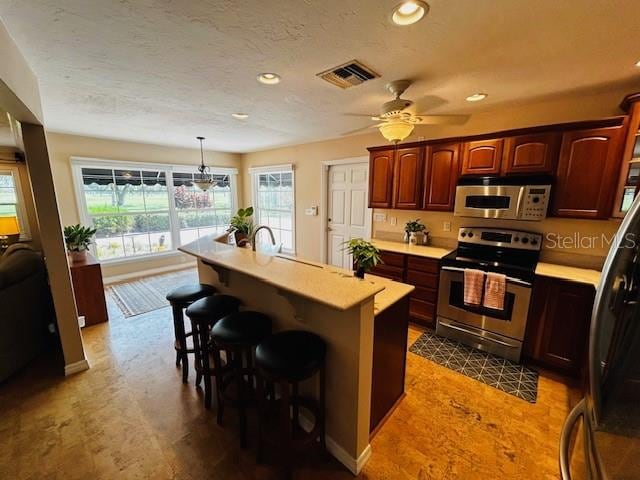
(76, 367)
(354, 465)
(145, 273)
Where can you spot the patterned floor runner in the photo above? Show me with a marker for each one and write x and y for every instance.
(496, 372)
(148, 293)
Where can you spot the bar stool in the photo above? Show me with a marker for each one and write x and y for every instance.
(203, 315)
(286, 359)
(237, 334)
(180, 298)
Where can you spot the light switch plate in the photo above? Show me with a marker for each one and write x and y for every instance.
(379, 217)
(393, 220)
(311, 211)
(446, 226)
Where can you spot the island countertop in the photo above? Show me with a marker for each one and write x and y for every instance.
(331, 286)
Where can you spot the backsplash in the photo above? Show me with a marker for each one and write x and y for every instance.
(578, 243)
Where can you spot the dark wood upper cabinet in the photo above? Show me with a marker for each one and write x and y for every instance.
(558, 324)
(482, 157)
(408, 177)
(441, 175)
(381, 179)
(588, 172)
(531, 154)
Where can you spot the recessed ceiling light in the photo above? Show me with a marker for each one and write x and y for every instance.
(476, 97)
(240, 116)
(409, 12)
(638, 63)
(269, 78)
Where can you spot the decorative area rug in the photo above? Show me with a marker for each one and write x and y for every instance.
(148, 293)
(496, 372)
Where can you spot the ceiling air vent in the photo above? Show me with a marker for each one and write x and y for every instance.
(348, 74)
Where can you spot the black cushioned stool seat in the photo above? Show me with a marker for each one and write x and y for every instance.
(203, 314)
(285, 359)
(180, 298)
(237, 334)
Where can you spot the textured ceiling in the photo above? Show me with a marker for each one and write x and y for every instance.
(164, 71)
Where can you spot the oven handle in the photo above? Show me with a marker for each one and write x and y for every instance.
(510, 279)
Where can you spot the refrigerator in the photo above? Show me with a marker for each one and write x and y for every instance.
(600, 438)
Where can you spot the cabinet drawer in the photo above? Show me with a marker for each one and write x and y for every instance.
(422, 264)
(424, 312)
(391, 272)
(422, 279)
(392, 259)
(426, 294)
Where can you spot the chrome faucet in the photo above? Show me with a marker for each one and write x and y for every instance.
(255, 233)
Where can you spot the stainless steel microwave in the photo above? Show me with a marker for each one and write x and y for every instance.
(511, 198)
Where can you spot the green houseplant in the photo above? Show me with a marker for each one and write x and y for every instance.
(413, 226)
(241, 225)
(365, 255)
(77, 239)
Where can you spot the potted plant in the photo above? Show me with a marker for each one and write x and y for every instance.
(411, 230)
(241, 225)
(78, 238)
(365, 255)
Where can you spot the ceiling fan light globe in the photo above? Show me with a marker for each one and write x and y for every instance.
(396, 131)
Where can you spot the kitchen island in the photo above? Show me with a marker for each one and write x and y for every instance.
(363, 322)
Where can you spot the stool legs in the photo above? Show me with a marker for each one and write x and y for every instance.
(181, 341)
(203, 340)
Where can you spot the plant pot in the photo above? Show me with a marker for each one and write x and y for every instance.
(359, 272)
(241, 238)
(413, 238)
(78, 256)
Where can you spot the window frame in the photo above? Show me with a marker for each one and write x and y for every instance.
(21, 210)
(254, 172)
(78, 163)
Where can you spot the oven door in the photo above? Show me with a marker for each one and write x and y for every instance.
(510, 322)
(488, 201)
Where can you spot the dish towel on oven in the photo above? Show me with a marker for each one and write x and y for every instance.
(494, 290)
(473, 283)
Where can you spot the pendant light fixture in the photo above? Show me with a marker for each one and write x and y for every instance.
(203, 180)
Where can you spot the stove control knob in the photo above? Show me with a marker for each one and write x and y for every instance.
(525, 240)
(463, 234)
(516, 239)
(534, 241)
(536, 199)
(470, 234)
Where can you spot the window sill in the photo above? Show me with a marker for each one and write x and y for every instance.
(142, 258)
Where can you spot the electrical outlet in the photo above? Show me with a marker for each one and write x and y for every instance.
(379, 217)
(393, 220)
(446, 226)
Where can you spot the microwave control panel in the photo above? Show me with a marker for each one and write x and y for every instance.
(535, 202)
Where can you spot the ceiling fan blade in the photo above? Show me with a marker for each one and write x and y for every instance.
(360, 115)
(442, 119)
(358, 130)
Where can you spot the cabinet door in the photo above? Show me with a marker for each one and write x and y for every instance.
(482, 157)
(587, 172)
(381, 179)
(441, 176)
(537, 153)
(407, 178)
(558, 325)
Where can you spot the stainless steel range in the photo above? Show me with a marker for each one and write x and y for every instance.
(513, 253)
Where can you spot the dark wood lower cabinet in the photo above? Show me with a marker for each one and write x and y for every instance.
(558, 325)
(389, 360)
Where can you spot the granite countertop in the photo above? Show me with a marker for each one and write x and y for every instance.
(408, 249)
(572, 274)
(325, 284)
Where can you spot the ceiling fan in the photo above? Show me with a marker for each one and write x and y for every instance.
(398, 119)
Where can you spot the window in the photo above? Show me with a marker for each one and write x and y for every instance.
(144, 210)
(274, 202)
(11, 200)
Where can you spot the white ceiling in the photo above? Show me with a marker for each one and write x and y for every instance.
(164, 71)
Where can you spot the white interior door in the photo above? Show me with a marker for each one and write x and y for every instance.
(348, 213)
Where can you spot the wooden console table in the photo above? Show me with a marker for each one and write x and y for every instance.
(88, 288)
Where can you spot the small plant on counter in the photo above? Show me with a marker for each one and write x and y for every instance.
(241, 225)
(414, 226)
(365, 255)
(77, 239)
